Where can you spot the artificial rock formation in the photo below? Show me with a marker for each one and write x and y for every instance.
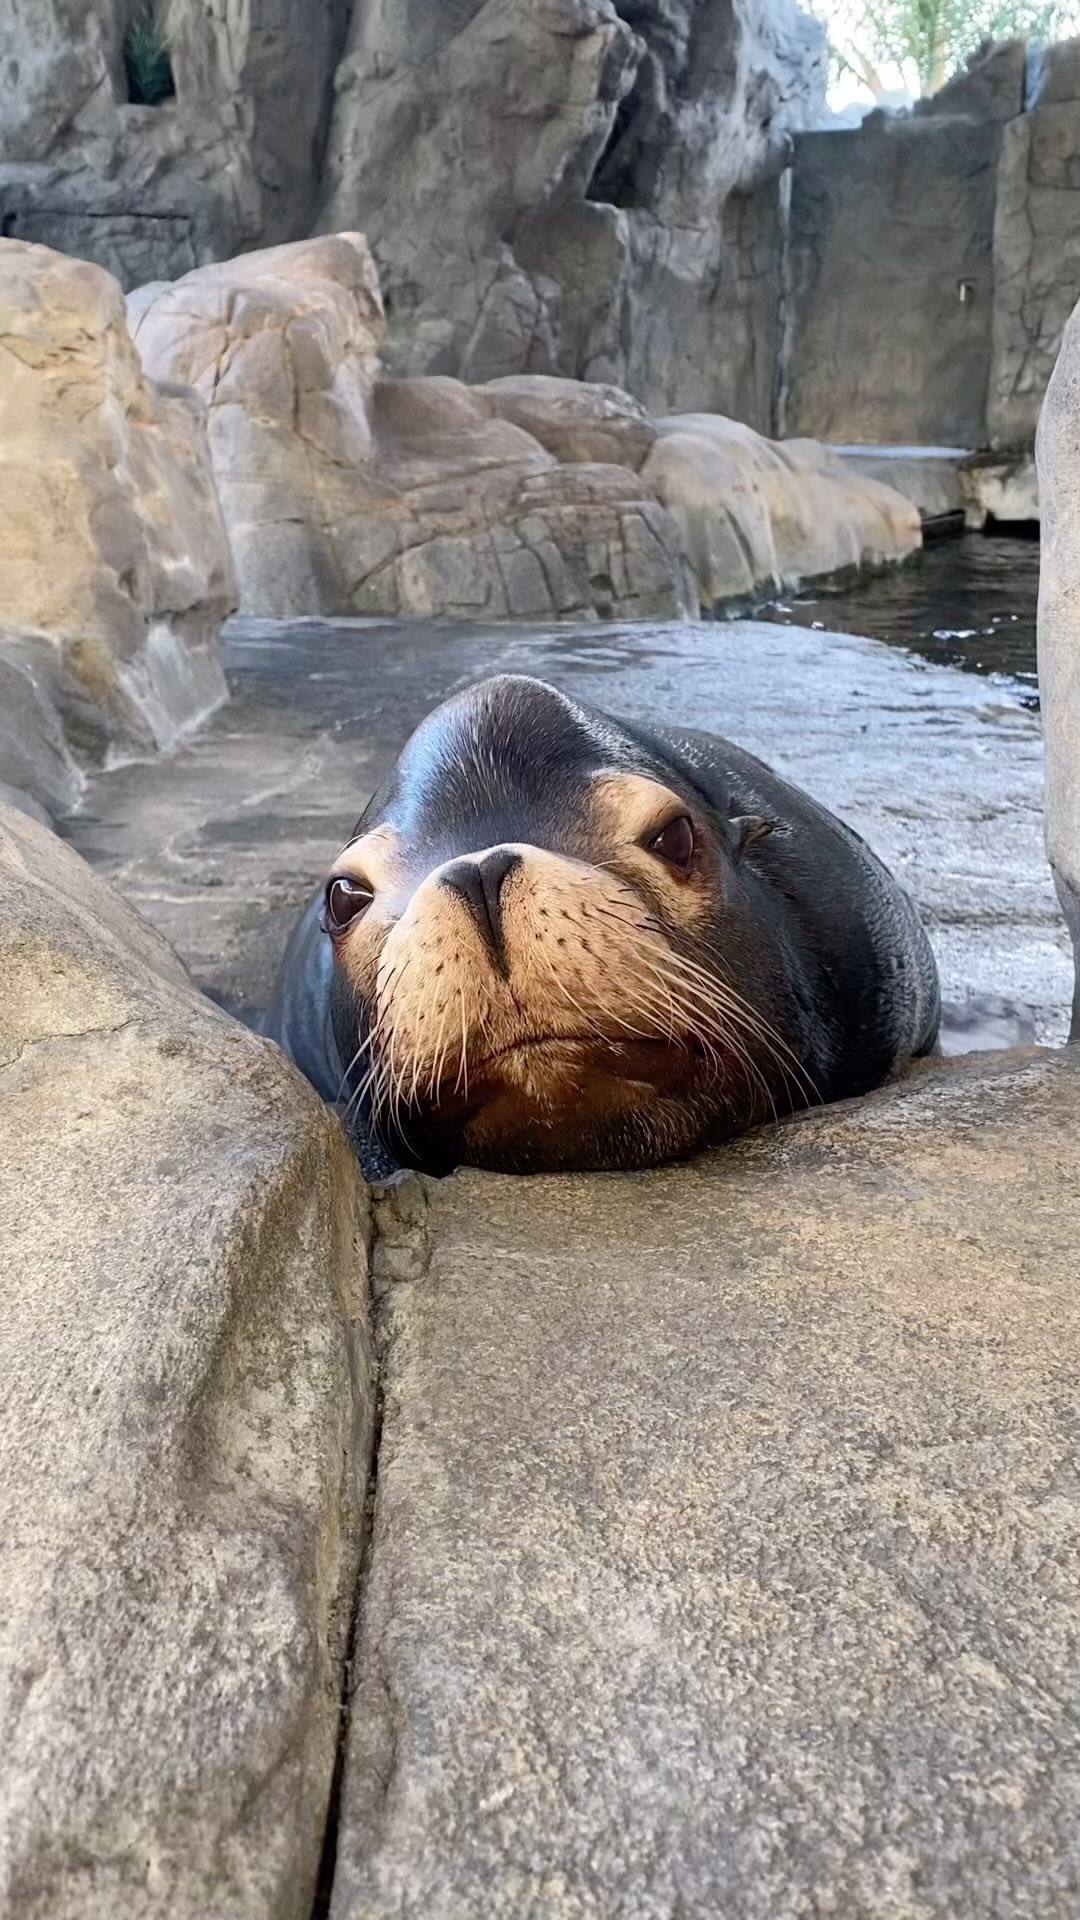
(1036, 243)
(956, 230)
(751, 510)
(227, 158)
(36, 762)
(557, 186)
(726, 1527)
(345, 493)
(116, 572)
(529, 496)
(623, 191)
(569, 187)
(184, 1431)
(1058, 459)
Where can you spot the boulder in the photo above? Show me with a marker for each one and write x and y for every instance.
(725, 1542)
(224, 153)
(35, 758)
(1057, 455)
(575, 421)
(754, 512)
(348, 493)
(186, 1421)
(1036, 245)
(1000, 486)
(116, 559)
(572, 186)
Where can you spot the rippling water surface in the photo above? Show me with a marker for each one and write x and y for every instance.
(968, 603)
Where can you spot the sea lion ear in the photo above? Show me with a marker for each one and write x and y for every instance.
(746, 828)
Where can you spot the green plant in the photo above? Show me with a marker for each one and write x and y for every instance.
(147, 58)
(928, 40)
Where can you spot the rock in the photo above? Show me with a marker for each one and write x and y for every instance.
(691, 170)
(1036, 247)
(571, 187)
(347, 493)
(34, 754)
(1000, 486)
(229, 158)
(725, 1537)
(977, 194)
(992, 85)
(930, 477)
(185, 1426)
(1057, 454)
(115, 552)
(752, 512)
(23, 802)
(574, 421)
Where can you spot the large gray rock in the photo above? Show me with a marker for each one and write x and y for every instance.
(572, 186)
(1057, 455)
(755, 512)
(230, 159)
(1036, 245)
(116, 562)
(35, 757)
(725, 1539)
(346, 493)
(527, 497)
(184, 1427)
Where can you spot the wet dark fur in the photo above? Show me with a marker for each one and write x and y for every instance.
(812, 928)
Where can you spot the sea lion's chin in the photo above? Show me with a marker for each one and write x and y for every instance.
(547, 1104)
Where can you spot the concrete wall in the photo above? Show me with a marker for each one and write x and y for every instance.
(933, 260)
(891, 282)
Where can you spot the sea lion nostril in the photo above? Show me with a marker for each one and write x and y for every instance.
(480, 884)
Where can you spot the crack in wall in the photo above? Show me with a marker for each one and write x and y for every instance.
(400, 1252)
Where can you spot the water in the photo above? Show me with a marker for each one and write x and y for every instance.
(966, 603)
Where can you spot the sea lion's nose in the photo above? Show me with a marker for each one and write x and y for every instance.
(479, 881)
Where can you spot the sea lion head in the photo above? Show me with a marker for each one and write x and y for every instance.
(538, 932)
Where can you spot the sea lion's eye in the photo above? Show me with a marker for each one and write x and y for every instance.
(345, 899)
(675, 843)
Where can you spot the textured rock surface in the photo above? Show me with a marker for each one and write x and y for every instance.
(888, 222)
(527, 497)
(115, 554)
(1036, 245)
(930, 477)
(230, 159)
(570, 186)
(751, 511)
(1058, 460)
(961, 224)
(1001, 486)
(726, 1526)
(185, 1425)
(34, 754)
(344, 493)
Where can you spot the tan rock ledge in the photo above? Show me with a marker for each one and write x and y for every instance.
(725, 1547)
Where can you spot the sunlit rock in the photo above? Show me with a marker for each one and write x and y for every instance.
(116, 566)
(184, 1425)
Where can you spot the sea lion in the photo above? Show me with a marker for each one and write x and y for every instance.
(558, 940)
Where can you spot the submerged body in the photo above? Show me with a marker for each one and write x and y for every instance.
(557, 940)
